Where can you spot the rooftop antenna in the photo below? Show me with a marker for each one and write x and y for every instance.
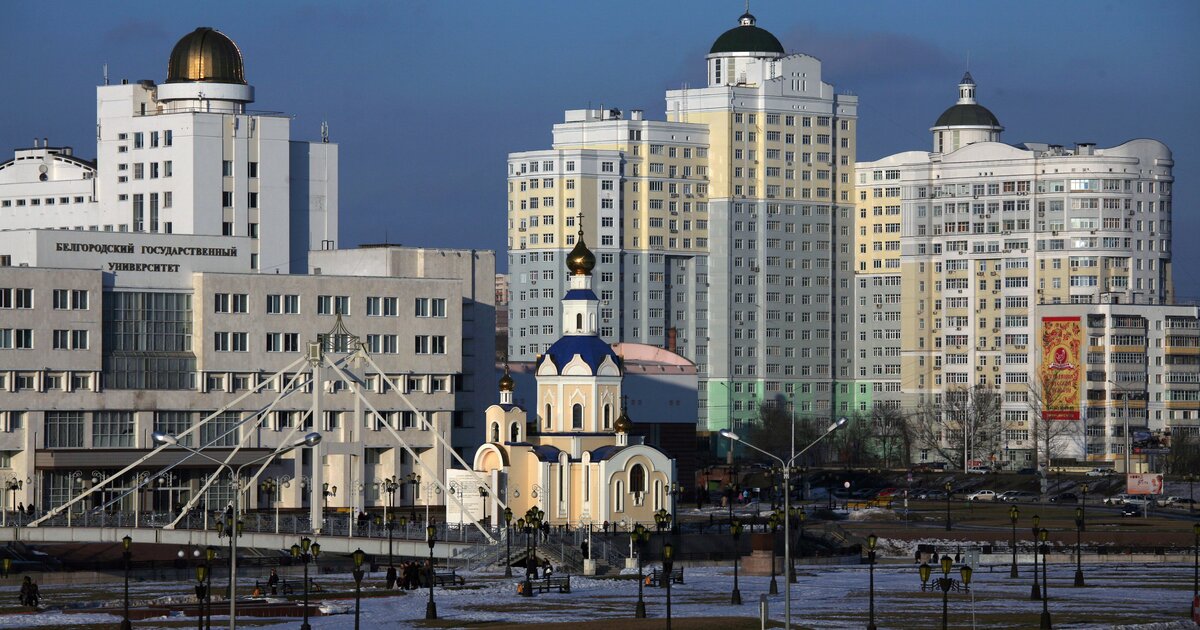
(747, 6)
(105, 74)
(968, 60)
(325, 132)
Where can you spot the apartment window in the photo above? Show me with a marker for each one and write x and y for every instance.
(333, 305)
(70, 299)
(139, 170)
(139, 213)
(227, 168)
(252, 200)
(222, 430)
(112, 429)
(430, 344)
(430, 307)
(70, 340)
(167, 168)
(252, 169)
(168, 137)
(64, 429)
(227, 199)
(139, 140)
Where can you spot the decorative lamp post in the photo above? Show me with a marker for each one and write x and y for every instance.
(431, 539)
(949, 489)
(797, 514)
(233, 531)
(1045, 625)
(946, 583)
(127, 555)
(735, 528)
(1078, 559)
(1036, 592)
(201, 573)
(210, 554)
(358, 556)
(527, 585)
(773, 526)
(871, 540)
(1013, 515)
(924, 570)
(326, 492)
(305, 552)
(668, 554)
(639, 536)
(507, 542)
(662, 518)
(1083, 504)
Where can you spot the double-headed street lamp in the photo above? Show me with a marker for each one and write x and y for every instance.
(871, 541)
(310, 440)
(662, 520)
(949, 490)
(1013, 515)
(273, 487)
(508, 542)
(787, 498)
(201, 573)
(639, 536)
(307, 551)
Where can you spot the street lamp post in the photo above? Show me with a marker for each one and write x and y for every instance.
(787, 499)
(1013, 515)
(210, 554)
(949, 489)
(431, 540)
(945, 583)
(794, 513)
(1190, 478)
(668, 553)
(358, 556)
(1045, 625)
(736, 530)
(326, 492)
(307, 551)
(1036, 591)
(1078, 537)
(233, 530)
(640, 537)
(773, 527)
(309, 440)
(127, 555)
(871, 540)
(507, 542)
(1083, 504)
(201, 573)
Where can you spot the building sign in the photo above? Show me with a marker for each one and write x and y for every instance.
(1061, 367)
(1143, 483)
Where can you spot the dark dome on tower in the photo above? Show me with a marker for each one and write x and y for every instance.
(581, 261)
(206, 55)
(967, 115)
(506, 381)
(746, 37)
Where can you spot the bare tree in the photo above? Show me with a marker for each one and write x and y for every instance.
(1052, 438)
(968, 424)
(1184, 456)
(892, 436)
(773, 431)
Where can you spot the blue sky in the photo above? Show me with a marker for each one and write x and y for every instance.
(427, 98)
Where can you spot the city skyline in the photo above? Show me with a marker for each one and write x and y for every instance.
(414, 91)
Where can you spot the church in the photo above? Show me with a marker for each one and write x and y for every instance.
(575, 459)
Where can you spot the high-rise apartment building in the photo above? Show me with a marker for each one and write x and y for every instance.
(962, 250)
(723, 233)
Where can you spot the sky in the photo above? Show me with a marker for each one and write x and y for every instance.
(426, 99)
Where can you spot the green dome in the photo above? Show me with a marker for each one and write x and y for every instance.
(206, 55)
(746, 37)
(967, 115)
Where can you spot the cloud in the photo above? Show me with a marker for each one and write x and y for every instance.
(135, 30)
(850, 58)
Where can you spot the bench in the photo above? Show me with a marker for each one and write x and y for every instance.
(544, 585)
(451, 577)
(656, 577)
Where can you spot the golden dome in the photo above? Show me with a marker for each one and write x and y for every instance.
(506, 381)
(581, 261)
(206, 55)
(623, 424)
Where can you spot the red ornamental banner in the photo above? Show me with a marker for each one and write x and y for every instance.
(1061, 367)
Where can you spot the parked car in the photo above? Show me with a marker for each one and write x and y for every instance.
(1027, 471)
(978, 470)
(887, 493)
(1116, 499)
(932, 495)
(1021, 496)
(1178, 501)
(1065, 497)
(982, 495)
(1100, 472)
(1003, 496)
(1131, 510)
(1128, 499)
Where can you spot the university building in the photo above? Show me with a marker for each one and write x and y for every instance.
(188, 282)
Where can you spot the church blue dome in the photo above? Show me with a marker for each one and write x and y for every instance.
(590, 348)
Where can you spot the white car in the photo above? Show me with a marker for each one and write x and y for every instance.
(982, 495)
(1100, 472)
(978, 470)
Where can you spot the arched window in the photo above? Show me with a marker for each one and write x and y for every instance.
(658, 488)
(495, 432)
(549, 417)
(577, 416)
(619, 499)
(579, 322)
(637, 478)
(515, 433)
(607, 416)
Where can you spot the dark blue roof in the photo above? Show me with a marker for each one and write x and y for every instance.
(605, 452)
(590, 348)
(546, 453)
(581, 294)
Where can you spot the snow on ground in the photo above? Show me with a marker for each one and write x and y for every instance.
(825, 597)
